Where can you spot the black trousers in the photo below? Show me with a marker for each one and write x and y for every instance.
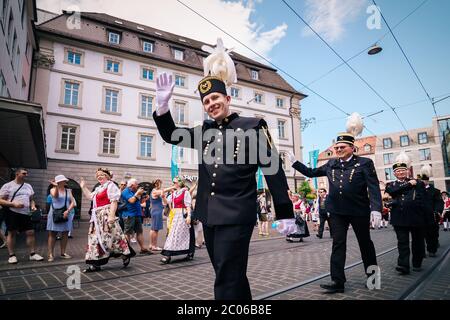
(417, 245)
(322, 219)
(228, 247)
(432, 237)
(360, 225)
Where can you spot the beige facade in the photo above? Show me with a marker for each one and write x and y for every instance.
(96, 68)
(421, 145)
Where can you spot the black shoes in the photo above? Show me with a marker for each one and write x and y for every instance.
(402, 270)
(318, 236)
(126, 262)
(165, 260)
(333, 287)
(432, 254)
(92, 268)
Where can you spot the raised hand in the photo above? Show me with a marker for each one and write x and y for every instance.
(290, 156)
(82, 183)
(164, 90)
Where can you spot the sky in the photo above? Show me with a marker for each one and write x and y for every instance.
(276, 33)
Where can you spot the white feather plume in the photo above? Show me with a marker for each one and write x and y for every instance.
(425, 170)
(219, 63)
(355, 124)
(403, 158)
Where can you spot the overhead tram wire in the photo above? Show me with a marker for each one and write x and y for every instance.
(406, 57)
(262, 57)
(365, 49)
(348, 65)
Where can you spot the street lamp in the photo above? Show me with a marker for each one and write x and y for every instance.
(374, 49)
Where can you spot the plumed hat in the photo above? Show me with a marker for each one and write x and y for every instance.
(219, 70)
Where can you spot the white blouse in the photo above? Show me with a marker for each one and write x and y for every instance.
(187, 196)
(113, 191)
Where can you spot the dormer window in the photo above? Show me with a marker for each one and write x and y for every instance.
(254, 74)
(367, 148)
(113, 37)
(147, 46)
(178, 54)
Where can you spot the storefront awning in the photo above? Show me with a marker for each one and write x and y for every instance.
(22, 142)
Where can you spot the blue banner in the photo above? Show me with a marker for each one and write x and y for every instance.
(174, 162)
(259, 180)
(313, 158)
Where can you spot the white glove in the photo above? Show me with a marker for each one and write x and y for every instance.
(290, 156)
(285, 226)
(376, 214)
(164, 90)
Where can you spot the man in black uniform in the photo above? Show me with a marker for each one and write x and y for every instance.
(354, 193)
(434, 205)
(228, 162)
(324, 216)
(407, 216)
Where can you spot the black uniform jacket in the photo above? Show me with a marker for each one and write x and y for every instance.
(408, 203)
(227, 188)
(433, 203)
(354, 186)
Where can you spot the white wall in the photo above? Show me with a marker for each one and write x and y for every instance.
(91, 119)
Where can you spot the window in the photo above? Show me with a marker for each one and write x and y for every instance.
(68, 136)
(387, 143)
(388, 158)
(280, 102)
(389, 174)
(73, 57)
(147, 73)
(145, 146)
(146, 106)
(281, 125)
(179, 113)
(71, 93)
(114, 37)
(147, 46)
(2, 85)
(367, 148)
(404, 141)
(180, 81)
(234, 92)
(254, 74)
(423, 138)
(112, 66)
(111, 101)
(425, 154)
(110, 139)
(258, 97)
(178, 54)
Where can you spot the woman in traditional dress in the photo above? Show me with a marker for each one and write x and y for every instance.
(105, 237)
(181, 238)
(302, 230)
